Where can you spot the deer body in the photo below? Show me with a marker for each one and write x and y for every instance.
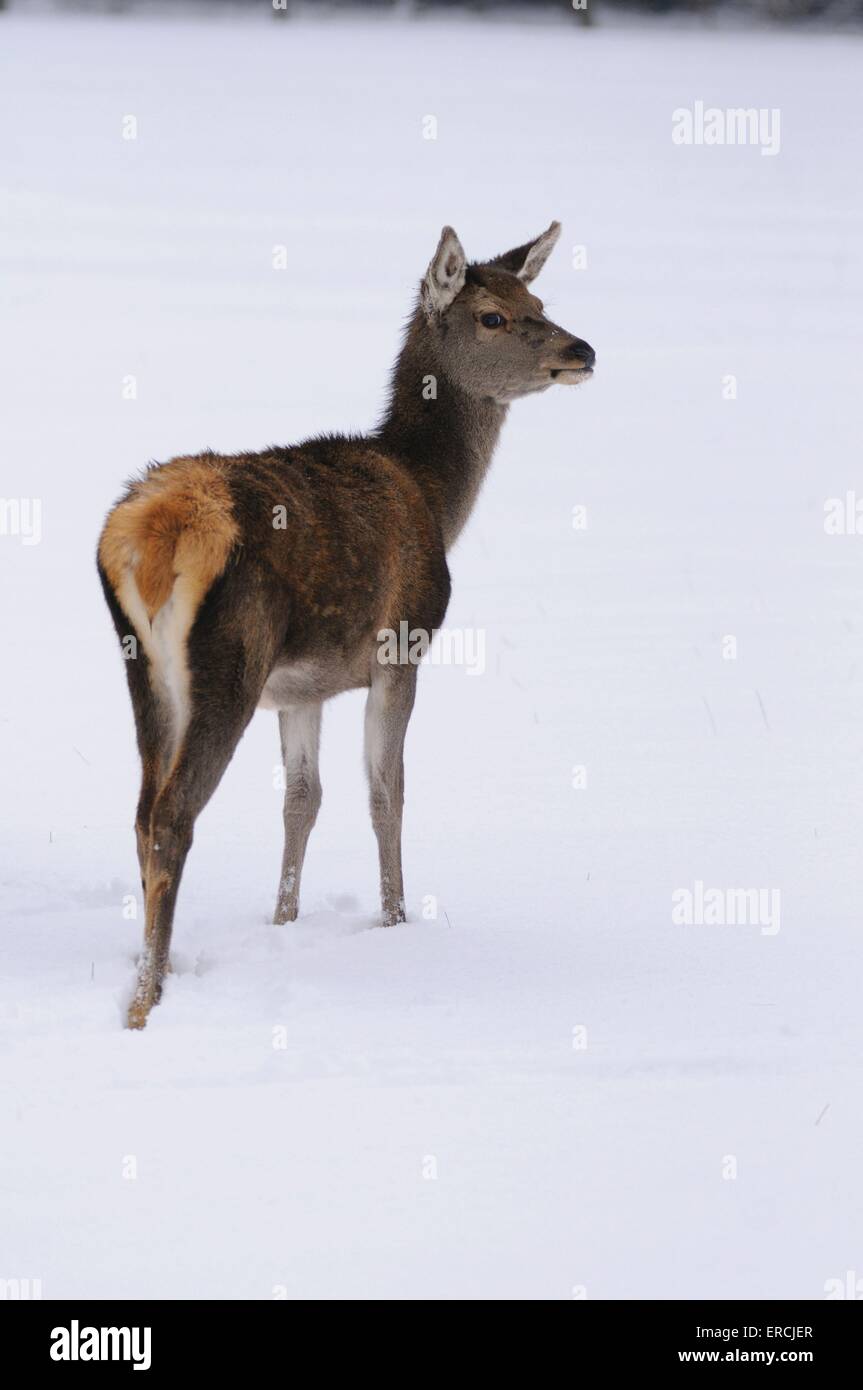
(263, 580)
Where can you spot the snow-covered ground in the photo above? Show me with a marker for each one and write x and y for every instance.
(551, 1087)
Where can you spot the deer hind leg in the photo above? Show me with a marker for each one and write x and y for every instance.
(226, 679)
(152, 722)
(159, 684)
(165, 559)
(388, 710)
(300, 732)
(152, 725)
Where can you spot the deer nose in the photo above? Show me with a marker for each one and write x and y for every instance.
(581, 350)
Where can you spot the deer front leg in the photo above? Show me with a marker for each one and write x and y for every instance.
(388, 710)
(300, 731)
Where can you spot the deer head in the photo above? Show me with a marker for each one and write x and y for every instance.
(490, 332)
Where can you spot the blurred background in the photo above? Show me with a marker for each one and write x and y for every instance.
(829, 12)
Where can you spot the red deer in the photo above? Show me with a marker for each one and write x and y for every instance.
(263, 580)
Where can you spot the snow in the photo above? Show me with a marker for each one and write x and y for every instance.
(545, 1090)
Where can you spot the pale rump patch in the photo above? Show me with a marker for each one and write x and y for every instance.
(171, 627)
(161, 549)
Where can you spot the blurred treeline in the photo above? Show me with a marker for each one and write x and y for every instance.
(586, 9)
(583, 11)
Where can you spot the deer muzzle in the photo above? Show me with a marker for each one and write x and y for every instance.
(575, 363)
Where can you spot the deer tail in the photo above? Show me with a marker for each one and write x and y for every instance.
(162, 548)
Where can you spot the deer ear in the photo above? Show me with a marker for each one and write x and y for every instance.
(445, 275)
(527, 261)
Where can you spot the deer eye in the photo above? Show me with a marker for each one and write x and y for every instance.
(492, 320)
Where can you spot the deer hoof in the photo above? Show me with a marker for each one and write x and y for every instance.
(139, 1012)
(394, 917)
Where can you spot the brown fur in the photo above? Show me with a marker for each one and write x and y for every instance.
(178, 520)
(235, 609)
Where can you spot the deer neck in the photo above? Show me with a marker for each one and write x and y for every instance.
(442, 435)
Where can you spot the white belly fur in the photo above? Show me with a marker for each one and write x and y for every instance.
(309, 682)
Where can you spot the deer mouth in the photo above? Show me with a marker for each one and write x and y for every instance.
(570, 376)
